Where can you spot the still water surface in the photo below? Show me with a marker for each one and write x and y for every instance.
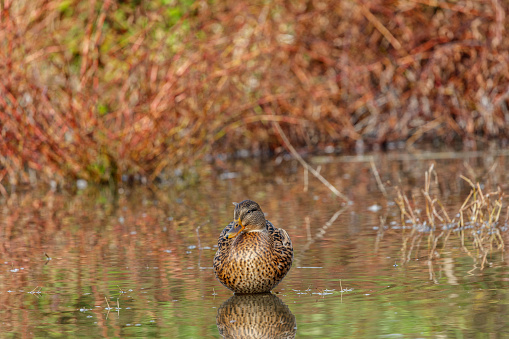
(137, 261)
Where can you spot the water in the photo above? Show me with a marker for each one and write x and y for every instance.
(137, 262)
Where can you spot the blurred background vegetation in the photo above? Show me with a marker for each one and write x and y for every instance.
(104, 90)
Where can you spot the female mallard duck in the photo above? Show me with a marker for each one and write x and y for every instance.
(253, 256)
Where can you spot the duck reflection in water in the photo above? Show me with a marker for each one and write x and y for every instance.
(255, 316)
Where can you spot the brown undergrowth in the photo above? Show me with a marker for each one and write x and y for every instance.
(104, 89)
(477, 227)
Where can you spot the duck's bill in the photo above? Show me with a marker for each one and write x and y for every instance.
(235, 231)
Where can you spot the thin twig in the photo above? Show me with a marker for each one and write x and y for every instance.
(306, 179)
(380, 27)
(377, 177)
(306, 165)
(107, 303)
(321, 231)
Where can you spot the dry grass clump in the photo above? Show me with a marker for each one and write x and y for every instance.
(101, 89)
(476, 227)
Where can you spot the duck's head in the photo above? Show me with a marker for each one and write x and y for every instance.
(248, 217)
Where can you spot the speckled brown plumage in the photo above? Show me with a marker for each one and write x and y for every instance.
(253, 256)
(255, 316)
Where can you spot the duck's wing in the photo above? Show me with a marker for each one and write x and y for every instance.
(223, 240)
(282, 241)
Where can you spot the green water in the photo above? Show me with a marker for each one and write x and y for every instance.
(137, 261)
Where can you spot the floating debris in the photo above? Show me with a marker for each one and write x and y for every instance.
(81, 184)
